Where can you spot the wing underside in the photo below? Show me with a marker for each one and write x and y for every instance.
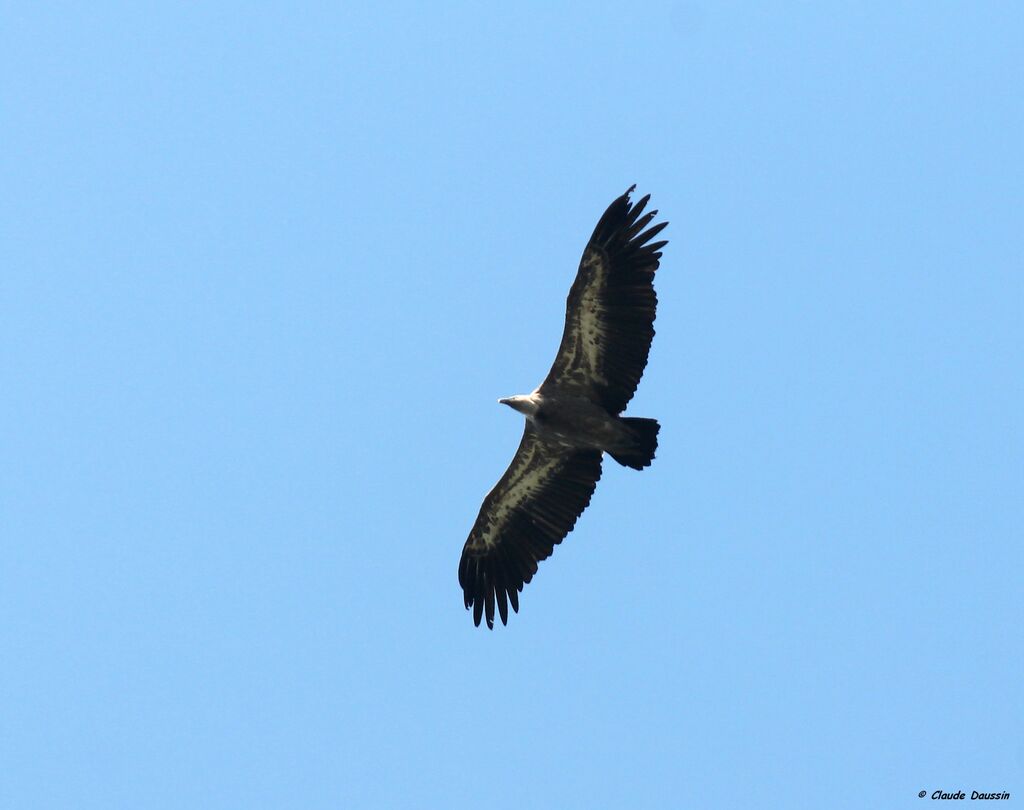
(530, 510)
(610, 310)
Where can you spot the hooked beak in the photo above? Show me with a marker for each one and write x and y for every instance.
(505, 401)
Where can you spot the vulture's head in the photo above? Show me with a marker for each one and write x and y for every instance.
(523, 403)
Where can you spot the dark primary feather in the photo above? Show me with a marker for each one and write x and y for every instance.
(609, 314)
(529, 511)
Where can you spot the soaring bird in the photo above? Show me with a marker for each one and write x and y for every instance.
(573, 416)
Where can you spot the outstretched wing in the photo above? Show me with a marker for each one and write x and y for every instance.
(530, 510)
(609, 314)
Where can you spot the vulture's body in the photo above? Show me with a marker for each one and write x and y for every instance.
(573, 416)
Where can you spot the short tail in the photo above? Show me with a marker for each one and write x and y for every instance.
(641, 454)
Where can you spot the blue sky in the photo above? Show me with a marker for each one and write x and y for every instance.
(266, 270)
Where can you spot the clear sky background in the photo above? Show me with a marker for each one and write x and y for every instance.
(266, 270)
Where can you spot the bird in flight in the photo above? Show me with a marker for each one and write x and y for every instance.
(573, 416)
